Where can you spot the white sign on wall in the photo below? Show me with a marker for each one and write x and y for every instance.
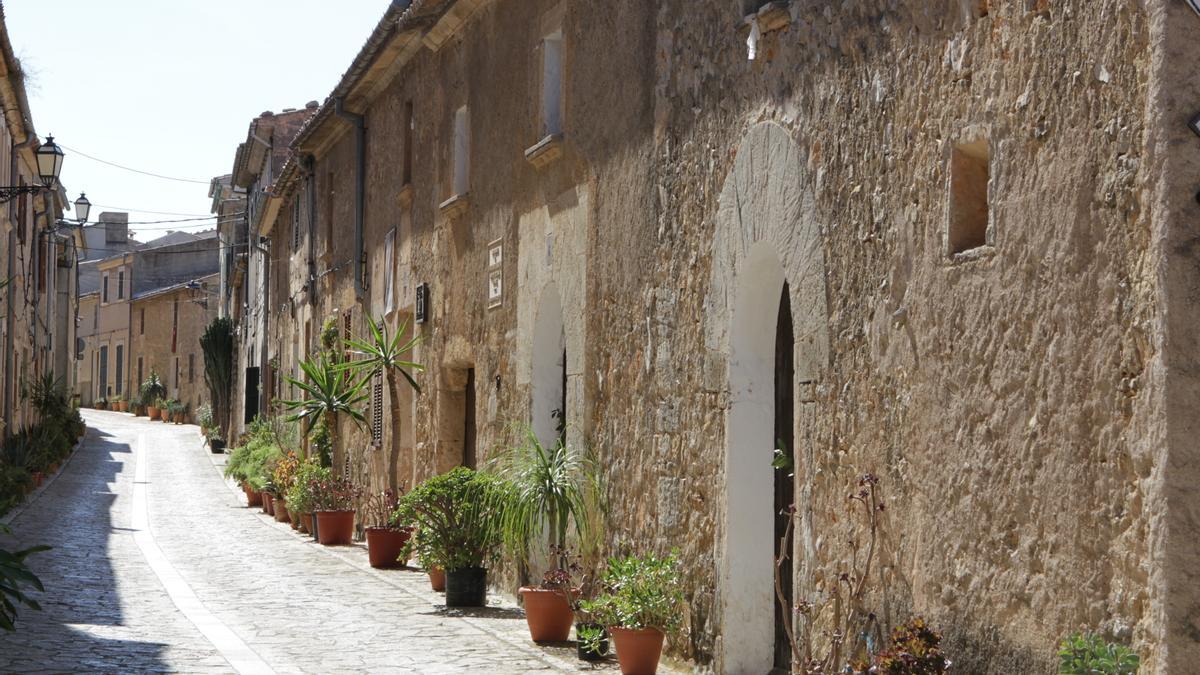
(495, 273)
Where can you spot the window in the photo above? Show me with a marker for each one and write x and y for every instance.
(296, 224)
(121, 283)
(95, 317)
(104, 290)
(175, 330)
(462, 150)
(176, 375)
(552, 72)
(103, 379)
(140, 378)
(191, 368)
(408, 141)
(142, 321)
(120, 367)
(969, 212)
(389, 274)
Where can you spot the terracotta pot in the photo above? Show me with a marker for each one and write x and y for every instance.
(152, 412)
(38, 476)
(164, 415)
(638, 651)
(384, 546)
(268, 504)
(306, 522)
(294, 519)
(437, 579)
(548, 614)
(281, 512)
(336, 528)
(252, 497)
(99, 405)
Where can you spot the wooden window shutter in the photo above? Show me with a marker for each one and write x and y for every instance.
(377, 410)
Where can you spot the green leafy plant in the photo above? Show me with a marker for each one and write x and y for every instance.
(204, 416)
(254, 461)
(592, 638)
(302, 496)
(555, 491)
(329, 392)
(457, 516)
(153, 389)
(915, 650)
(1084, 654)
(640, 592)
(218, 345)
(380, 351)
(331, 493)
(15, 577)
(379, 510)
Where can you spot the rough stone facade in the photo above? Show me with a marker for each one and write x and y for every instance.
(165, 333)
(982, 216)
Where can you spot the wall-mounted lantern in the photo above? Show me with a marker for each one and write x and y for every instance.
(422, 308)
(49, 165)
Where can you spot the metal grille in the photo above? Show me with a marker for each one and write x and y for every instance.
(377, 410)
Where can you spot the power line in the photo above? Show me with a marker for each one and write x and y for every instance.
(126, 168)
(157, 213)
(159, 222)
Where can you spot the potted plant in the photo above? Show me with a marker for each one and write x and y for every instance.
(135, 403)
(204, 418)
(178, 411)
(457, 516)
(283, 475)
(591, 641)
(153, 390)
(301, 496)
(117, 401)
(641, 602)
(101, 403)
(238, 468)
(555, 493)
(215, 442)
(329, 392)
(333, 510)
(387, 535)
(164, 413)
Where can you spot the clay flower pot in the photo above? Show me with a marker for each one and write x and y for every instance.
(335, 528)
(152, 412)
(164, 415)
(268, 503)
(252, 498)
(306, 522)
(638, 651)
(437, 579)
(281, 512)
(548, 614)
(385, 544)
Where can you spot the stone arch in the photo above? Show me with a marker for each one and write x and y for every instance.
(766, 235)
(549, 366)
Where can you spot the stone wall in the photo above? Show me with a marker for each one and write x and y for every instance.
(1010, 396)
(165, 343)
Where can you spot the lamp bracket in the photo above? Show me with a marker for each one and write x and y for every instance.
(11, 192)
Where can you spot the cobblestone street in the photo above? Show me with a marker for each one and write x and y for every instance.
(158, 566)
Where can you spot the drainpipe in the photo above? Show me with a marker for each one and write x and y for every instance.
(360, 137)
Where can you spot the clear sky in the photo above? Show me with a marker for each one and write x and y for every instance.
(170, 87)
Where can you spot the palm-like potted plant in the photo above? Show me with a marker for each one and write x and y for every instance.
(153, 392)
(641, 602)
(387, 353)
(333, 509)
(457, 516)
(329, 392)
(387, 534)
(555, 493)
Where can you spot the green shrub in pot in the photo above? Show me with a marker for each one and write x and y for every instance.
(457, 516)
(641, 602)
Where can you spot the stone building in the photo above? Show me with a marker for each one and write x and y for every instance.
(38, 259)
(165, 336)
(950, 244)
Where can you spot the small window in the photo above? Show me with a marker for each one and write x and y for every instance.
(140, 373)
(176, 375)
(296, 224)
(104, 290)
(121, 284)
(969, 212)
(462, 150)
(175, 331)
(552, 74)
(389, 274)
(191, 368)
(142, 321)
(409, 121)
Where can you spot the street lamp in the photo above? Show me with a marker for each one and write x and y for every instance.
(49, 158)
(82, 208)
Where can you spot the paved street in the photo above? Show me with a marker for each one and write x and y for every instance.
(158, 566)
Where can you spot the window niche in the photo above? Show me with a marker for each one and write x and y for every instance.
(550, 106)
(460, 169)
(969, 223)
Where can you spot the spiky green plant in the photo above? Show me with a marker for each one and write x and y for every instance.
(381, 351)
(329, 392)
(217, 345)
(15, 576)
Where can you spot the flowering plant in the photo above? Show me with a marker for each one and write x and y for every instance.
(333, 494)
(380, 510)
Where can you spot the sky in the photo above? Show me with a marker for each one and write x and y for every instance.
(170, 87)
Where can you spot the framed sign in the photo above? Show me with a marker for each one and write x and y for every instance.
(495, 277)
(422, 303)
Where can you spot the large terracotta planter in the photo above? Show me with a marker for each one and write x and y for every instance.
(335, 528)
(281, 512)
(152, 412)
(437, 579)
(252, 498)
(164, 415)
(384, 546)
(548, 614)
(306, 522)
(638, 651)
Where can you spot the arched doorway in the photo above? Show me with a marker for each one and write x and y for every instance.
(766, 313)
(549, 401)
